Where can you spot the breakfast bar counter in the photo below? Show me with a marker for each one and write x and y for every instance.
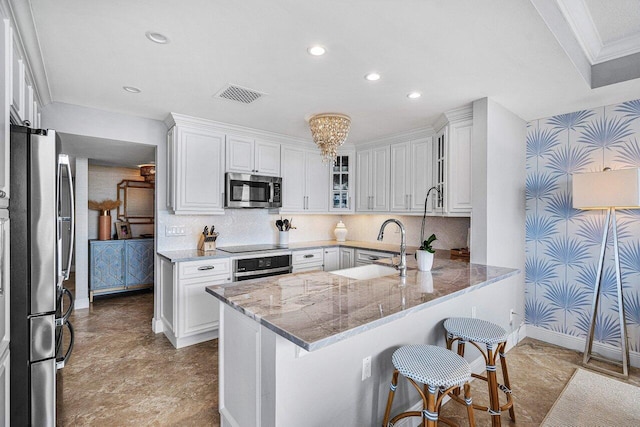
(316, 309)
(292, 348)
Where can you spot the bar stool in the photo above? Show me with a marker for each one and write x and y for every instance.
(440, 371)
(464, 329)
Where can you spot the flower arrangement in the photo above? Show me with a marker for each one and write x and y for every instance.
(105, 207)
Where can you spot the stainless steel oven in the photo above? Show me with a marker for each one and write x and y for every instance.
(252, 191)
(261, 266)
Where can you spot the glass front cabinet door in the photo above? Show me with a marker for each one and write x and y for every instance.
(342, 184)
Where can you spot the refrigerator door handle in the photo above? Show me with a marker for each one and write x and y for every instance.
(63, 159)
(60, 321)
(61, 361)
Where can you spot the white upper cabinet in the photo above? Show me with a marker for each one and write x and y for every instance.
(341, 183)
(411, 175)
(17, 82)
(373, 171)
(293, 184)
(421, 164)
(6, 45)
(317, 182)
(459, 173)
(305, 181)
(400, 177)
(195, 183)
(246, 155)
(267, 155)
(452, 167)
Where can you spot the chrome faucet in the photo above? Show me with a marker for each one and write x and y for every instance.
(402, 267)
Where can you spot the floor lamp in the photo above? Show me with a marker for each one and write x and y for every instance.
(608, 190)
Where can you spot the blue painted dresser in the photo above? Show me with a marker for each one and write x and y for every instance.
(120, 265)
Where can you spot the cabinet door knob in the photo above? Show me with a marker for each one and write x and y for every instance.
(2, 194)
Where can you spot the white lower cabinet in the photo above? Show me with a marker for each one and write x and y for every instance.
(307, 260)
(365, 256)
(347, 259)
(189, 314)
(4, 389)
(331, 259)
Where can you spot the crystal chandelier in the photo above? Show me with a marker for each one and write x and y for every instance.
(329, 131)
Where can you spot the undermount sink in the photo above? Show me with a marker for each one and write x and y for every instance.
(366, 272)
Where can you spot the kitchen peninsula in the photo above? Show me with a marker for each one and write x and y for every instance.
(291, 347)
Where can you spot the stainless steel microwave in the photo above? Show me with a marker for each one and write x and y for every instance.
(252, 191)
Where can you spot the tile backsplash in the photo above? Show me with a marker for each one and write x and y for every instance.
(257, 226)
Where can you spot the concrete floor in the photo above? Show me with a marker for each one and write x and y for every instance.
(121, 373)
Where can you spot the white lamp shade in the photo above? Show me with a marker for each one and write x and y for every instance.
(609, 189)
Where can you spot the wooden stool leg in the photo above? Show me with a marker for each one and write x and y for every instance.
(460, 351)
(430, 414)
(469, 402)
(492, 380)
(505, 376)
(392, 391)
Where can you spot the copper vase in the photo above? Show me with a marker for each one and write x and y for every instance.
(104, 227)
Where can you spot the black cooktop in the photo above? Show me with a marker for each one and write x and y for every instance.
(250, 248)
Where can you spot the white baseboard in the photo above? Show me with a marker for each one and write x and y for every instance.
(157, 326)
(577, 344)
(81, 303)
(477, 366)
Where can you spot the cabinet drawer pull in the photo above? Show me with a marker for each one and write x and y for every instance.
(206, 267)
(373, 258)
(309, 256)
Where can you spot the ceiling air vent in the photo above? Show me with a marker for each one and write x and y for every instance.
(239, 93)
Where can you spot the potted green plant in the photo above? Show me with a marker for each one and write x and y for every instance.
(424, 254)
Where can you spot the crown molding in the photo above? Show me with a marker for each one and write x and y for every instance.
(459, 114)
(396, 138)
(227, 128)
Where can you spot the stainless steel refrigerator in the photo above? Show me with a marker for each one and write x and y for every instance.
(41, 335)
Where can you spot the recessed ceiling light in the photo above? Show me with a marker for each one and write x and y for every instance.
(157, 37)
(316, 50)
(131, 89)
(414, 95)
(372, 77)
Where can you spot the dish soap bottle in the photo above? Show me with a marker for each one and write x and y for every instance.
(340, 232)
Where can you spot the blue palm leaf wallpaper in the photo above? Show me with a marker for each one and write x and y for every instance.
(563, 243)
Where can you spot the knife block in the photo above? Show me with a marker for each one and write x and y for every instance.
(207, 243)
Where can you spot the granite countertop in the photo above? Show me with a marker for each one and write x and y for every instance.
(196, 255)
(315, 309)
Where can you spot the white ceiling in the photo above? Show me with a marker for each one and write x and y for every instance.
(452, 51)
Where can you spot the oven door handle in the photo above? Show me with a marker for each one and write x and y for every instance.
(261, 272)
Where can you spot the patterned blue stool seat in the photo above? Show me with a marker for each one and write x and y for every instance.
(440, 370)
(494, 338)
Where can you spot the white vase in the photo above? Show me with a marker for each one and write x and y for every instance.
(425, 260)
(340, 232)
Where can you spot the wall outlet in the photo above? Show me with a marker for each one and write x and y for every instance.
(175, 230)
(473, 312)
(366, 368)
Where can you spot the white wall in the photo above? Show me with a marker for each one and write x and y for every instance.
(82, 229)
(498, 217)
(103, 184)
